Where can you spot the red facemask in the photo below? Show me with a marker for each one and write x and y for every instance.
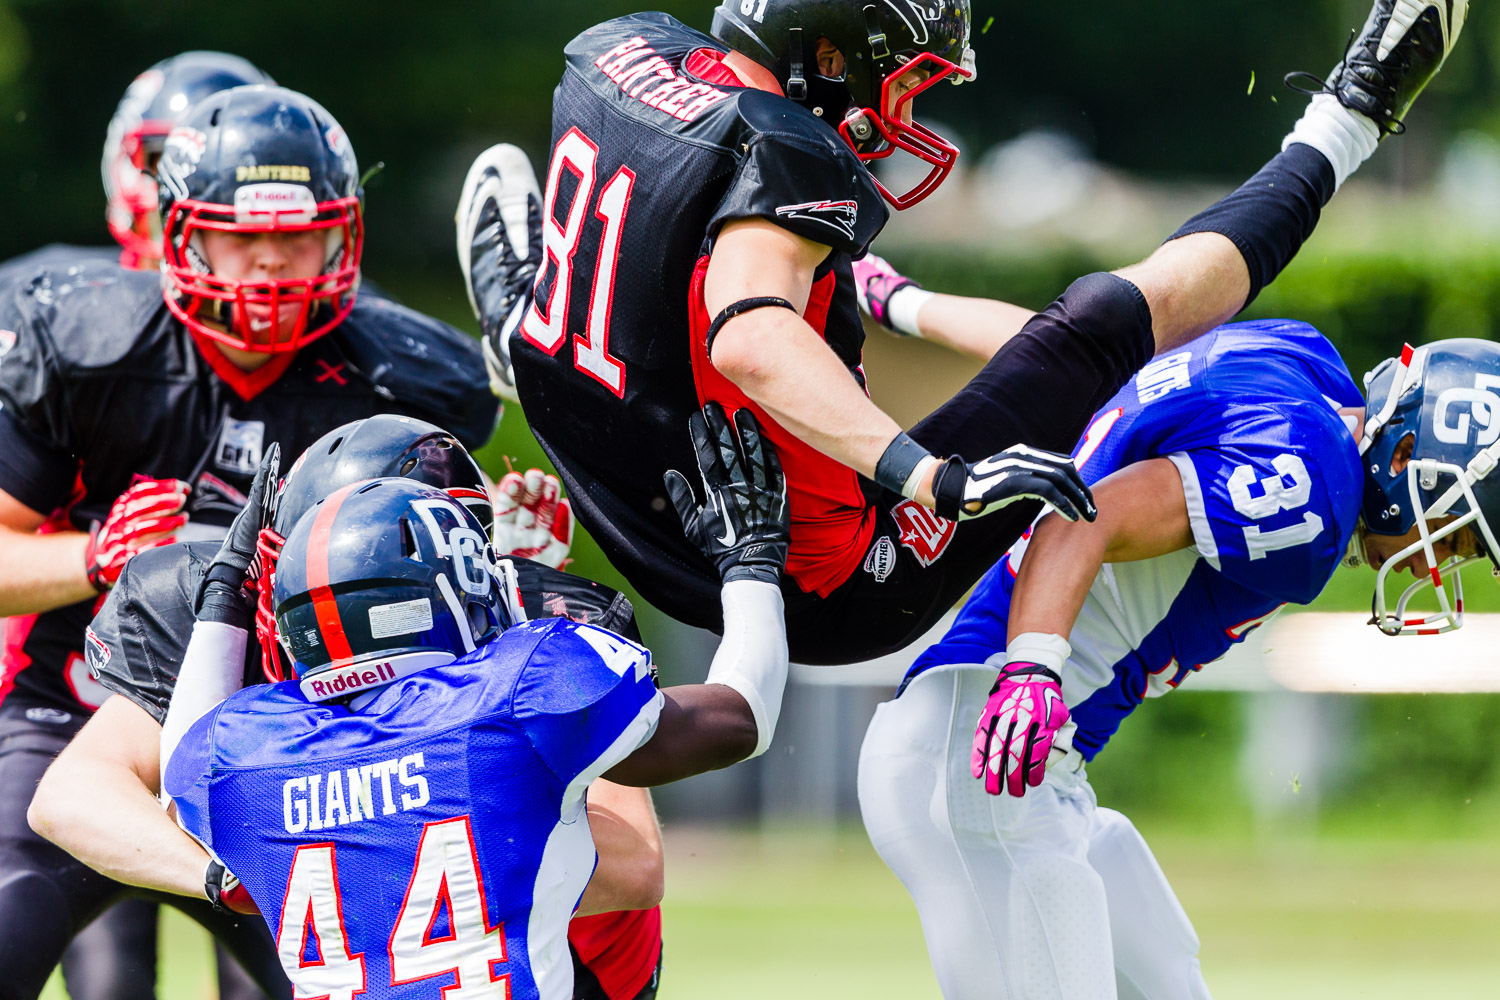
(132, 212)
(200, 296)
(913, 138)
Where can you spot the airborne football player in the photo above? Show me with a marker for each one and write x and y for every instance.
(703, 203)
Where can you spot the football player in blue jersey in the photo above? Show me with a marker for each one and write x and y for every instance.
(448, 745)
(1232, 476)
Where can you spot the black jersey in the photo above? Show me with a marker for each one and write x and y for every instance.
(101, 386)
(651, 157)
(54, 256)
(137, 640)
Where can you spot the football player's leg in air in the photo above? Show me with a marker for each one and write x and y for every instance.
(475, 735)
(115, 955)
(110, 770)
(165, 411)
(1229, 487)
(716, 264)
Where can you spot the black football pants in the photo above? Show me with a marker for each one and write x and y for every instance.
(1041, 390)
(47, 897)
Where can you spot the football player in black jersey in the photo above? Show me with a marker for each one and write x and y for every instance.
(135, 648)
(115, 956)
(133, 411)
(703, 202)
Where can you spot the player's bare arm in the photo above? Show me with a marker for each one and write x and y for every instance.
(1142, 514)
(631, 874)
(38, 572)
(98, 802)
(974, 327)
(778, 360)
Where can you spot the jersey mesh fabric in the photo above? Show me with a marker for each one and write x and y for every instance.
(1248, 414)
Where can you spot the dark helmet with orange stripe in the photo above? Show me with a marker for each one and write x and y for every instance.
(373, 448)
(382, 579)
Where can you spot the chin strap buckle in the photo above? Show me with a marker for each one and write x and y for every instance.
(879, 47)
(796, 84)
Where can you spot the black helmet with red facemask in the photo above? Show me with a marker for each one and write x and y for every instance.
(378, 447)
(260, 161)
(893, 50)
(151, 106)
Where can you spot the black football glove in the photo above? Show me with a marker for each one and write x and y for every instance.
(745, 527)
(226, 892)
(222, 596)
(965, 491)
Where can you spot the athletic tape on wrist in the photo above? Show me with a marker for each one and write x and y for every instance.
(1042, 648)
(742, 306)
(904, 304)
(902, 465)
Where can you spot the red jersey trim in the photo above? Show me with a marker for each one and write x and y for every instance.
(832, 525)
(246, 385)
(708, 66)
(17, 631)
(620, 949)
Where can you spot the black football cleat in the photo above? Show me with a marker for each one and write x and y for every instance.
(499, 222)
(1403, 45)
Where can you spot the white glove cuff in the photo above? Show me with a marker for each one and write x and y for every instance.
(902, 307)
(1042, 648)
(752, 657)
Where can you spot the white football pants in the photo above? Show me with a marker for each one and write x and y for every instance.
(1046, 897)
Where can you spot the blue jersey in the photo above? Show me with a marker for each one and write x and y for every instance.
(1248, 415)
(436, 838)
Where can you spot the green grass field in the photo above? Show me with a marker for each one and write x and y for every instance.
(800, 915)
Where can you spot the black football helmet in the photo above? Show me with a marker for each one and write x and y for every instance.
(382, 579)
(893, 50)
(260, 160)
(377, 447)
(1443, 402)
(151, 106)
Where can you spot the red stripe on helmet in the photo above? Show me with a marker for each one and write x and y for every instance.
(325, 608)
(1406, 355)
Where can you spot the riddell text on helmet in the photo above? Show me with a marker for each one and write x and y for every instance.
(347, 680)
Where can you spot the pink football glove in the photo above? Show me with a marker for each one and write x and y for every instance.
(875, 281)
(532, 521)
(1018, 728)
(145, 516)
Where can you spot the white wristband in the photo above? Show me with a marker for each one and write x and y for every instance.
(902, 307)
(913, 481)
(1042, 648)
(752, 656)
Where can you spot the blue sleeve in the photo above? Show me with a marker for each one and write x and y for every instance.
(1262, 508)
(189, 777)
(587, 698)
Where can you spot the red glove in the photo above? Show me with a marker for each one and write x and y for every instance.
(532, 521)
(145, 516)
(227, 892)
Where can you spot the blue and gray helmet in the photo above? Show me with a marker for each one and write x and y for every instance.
(1441, 404)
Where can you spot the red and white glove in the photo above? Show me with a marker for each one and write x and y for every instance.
(876, 283)
(226, 891)
(1025, 720)
(532, 520)
(145, 516)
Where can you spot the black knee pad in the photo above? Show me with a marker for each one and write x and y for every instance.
(1111, 317)
(34, 931)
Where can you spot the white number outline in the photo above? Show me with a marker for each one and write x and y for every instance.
(579, 155)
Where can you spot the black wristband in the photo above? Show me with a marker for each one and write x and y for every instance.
(898, 462)
(742, 306)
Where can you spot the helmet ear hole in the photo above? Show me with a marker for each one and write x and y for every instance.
(481, 622)
(410, 548)
(1402, 455)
